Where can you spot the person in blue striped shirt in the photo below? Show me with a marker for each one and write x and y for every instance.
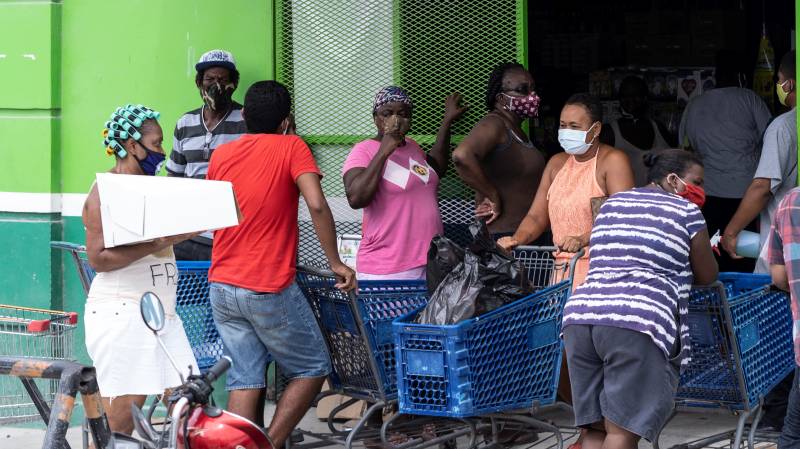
(622, 327)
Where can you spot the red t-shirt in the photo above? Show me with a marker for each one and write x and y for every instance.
(261, 253)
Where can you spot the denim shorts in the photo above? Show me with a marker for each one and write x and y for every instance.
(254, 326)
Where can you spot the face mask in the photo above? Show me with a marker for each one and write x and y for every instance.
(152, 163)
(693, 193)
(781, 93)
(396, 125)
(218, 97)
(525, 107)
(574, 140)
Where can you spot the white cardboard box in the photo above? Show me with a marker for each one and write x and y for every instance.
(136, 208)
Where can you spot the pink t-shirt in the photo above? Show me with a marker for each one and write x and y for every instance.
(403, 216)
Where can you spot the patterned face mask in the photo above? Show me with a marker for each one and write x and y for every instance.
(396, 125)
(524, 107)
(218, 97)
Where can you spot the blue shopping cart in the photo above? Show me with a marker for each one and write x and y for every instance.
(741, 338)
(359, 331)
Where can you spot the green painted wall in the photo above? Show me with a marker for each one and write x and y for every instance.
(29, 144)
(89, 57)
(29, 72)
(144, 51)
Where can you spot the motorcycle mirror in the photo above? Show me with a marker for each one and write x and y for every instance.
(154, 318)
(152, 311)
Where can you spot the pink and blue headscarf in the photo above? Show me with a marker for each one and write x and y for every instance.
(391, 94)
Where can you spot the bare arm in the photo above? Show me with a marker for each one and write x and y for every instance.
(321, 216)
(704, 265)
(360, 184)
(469, 154)
(537, 220)
(104, 259)
(755, 200)
(617, 173)
(437, 157)
(779, 277)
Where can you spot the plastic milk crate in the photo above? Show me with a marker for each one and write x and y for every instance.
(741, 337)
(506, 359)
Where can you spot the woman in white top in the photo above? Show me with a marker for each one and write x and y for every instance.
(130, 365)
(635, 132)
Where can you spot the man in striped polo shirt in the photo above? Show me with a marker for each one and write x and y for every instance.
(200, 131)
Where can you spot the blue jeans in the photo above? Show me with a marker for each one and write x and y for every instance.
(790, 437)
(254, 325)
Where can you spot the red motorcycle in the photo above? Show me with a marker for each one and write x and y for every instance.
(193, 422)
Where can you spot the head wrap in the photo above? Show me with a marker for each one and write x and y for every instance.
(125, 124)
(391, 94)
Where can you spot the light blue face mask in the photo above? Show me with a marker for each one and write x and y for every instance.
(574, 140)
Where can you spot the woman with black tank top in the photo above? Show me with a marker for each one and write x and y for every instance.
(497, 159)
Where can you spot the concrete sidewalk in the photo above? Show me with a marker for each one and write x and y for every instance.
(685, 427)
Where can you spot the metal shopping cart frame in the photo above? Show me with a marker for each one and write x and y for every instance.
(32, 333)
(740, 329)
(349, 315)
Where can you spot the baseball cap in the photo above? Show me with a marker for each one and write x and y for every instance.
(216, 58)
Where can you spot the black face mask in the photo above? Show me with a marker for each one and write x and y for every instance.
(218, 97)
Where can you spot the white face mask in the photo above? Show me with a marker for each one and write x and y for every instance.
(574, 141)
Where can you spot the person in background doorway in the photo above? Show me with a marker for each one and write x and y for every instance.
(129, 362)
(622, 328)
(199, 132)
(775, 176)
(777, 169)
(257, 306)
(784, 264)
(396, 184)
(497, 159)
(635, 132)
(725, 126)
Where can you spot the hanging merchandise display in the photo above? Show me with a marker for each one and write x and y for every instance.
(763, 83)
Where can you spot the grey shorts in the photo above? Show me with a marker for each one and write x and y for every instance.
(620, 375)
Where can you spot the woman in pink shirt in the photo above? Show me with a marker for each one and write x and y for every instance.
(395, 182)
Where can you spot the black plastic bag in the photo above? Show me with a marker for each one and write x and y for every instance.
(455, 298)
(443, 256)
(487, 278)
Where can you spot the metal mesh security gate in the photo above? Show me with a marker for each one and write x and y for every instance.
(335, 54)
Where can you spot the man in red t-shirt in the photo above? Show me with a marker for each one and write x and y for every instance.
(257, 307)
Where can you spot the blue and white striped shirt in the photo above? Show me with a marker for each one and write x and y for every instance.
(639, 270)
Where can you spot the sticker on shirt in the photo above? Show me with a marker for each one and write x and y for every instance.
(423, 171)
(396, 174)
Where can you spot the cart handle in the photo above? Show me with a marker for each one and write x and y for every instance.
(69, 246)
(316, 271)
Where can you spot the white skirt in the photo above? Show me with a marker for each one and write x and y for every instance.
(126, 354)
